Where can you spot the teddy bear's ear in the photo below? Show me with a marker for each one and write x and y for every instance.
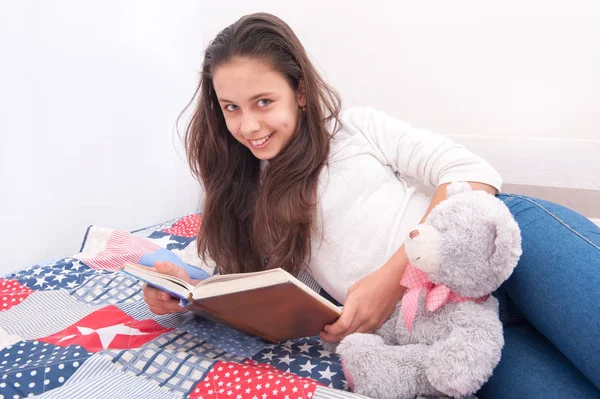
(457, 187)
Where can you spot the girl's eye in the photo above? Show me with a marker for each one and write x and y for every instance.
(231, 107)
(263, 103)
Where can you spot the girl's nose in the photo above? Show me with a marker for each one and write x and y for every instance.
(248, 126)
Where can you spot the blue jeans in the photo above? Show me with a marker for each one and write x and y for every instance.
(550, 307)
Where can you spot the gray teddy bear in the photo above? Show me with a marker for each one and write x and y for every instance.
(446, 337)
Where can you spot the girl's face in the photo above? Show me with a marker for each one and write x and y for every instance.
(261, 109)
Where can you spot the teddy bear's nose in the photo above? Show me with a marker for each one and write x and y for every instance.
(413, 234)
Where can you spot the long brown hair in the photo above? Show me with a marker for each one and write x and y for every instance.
(249, 223)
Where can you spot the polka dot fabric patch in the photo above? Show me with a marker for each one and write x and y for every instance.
(12, 293)
(187, 226)
(31, 368)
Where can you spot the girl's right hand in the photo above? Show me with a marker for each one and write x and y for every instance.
(159, 301)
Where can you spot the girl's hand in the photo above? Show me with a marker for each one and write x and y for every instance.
(369, 304)
(159, 301)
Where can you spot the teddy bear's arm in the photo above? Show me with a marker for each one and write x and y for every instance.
(388, 330)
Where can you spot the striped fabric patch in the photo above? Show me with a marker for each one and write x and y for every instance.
(99, 378)
(97, 366)
(53, 311)
(181, 341)
(307, 279)
(139, 310)
(109, 249)
(328, 393)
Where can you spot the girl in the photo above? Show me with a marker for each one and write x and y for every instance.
(293, 182)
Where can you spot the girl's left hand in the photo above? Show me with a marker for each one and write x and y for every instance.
(369, 304)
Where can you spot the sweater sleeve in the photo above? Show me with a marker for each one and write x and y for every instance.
(420, 154)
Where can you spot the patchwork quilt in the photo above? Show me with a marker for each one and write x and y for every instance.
(78, 328)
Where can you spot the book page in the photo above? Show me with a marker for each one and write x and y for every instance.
(239, 276)
(155, 278)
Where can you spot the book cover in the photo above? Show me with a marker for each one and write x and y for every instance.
(272, 304)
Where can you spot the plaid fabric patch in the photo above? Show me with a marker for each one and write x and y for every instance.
(225, 338)
(176, 371)
(182, 341)
(109, 288)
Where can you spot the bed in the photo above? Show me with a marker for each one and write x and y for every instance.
(78, 328)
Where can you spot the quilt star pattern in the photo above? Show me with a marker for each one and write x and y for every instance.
(78, 328)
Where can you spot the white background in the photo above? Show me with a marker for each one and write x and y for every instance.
(515, 81)
(90, 92)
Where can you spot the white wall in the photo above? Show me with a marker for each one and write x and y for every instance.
(89, 95)
(517, 82)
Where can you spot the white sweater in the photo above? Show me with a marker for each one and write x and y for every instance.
(368, 194)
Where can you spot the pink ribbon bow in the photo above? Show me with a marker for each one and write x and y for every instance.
(416, 280)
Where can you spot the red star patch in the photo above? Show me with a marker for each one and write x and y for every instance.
(252, 380)
(187, 226)
(108, 328)
(12, 293)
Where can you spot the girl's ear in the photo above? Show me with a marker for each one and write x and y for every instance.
(301, 94)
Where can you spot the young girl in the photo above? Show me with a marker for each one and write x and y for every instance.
(293, 182)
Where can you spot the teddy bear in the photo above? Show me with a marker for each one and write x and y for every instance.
(445, 337)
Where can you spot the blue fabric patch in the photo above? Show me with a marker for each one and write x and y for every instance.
(225, 338)
(173, 242)
(164, 255)
(306, 357)
(67, 273)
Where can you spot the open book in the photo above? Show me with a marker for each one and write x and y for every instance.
(271, 304)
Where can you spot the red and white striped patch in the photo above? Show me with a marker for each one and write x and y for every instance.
(187, 226)
(12, 293)
(252, 380)
(110, 253)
